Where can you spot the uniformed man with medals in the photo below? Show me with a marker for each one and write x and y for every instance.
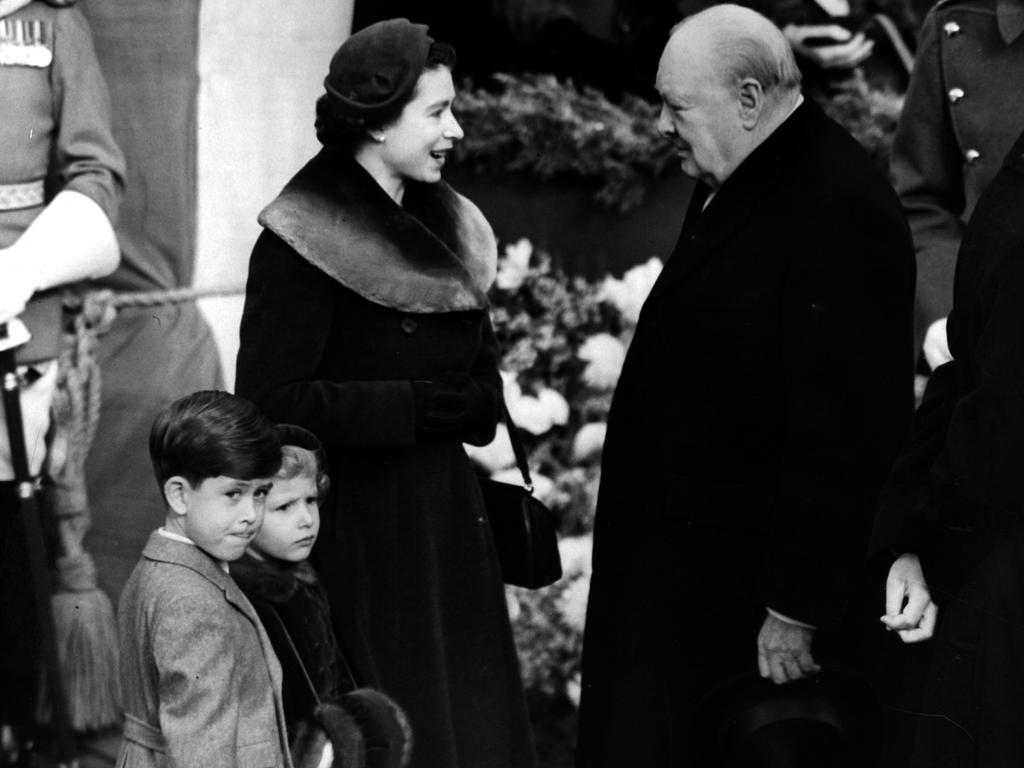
(61, 180)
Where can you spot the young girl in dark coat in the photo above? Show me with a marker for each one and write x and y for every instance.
(322, 704)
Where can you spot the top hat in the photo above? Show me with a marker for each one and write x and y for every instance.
(830, 720)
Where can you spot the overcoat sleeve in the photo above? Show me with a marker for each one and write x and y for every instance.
(85, 157)
(847, 378)
(927, 173)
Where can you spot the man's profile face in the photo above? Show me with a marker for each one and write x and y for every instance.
(699, 113)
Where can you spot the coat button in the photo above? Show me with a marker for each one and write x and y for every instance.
(972, 156)
(951, 28)
(408, 325)
(956, 94)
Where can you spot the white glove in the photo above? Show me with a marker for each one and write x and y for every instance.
(18, 281)
(72, 239)
(936, 347)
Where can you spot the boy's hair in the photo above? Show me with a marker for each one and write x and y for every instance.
(212, 434)
(302, 455)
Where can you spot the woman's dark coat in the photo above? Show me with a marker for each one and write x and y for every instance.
(956, 496)
(350, 298)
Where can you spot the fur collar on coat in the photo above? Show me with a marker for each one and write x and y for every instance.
(434, 253)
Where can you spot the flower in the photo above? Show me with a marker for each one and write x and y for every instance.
(576, 553)
(514, 606)
(515, 266)
(589, 441)
(629, 294)
(572, 603)
(605, 355)
(536, 414)
(496, 455)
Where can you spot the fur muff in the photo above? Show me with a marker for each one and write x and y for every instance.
(384, 725)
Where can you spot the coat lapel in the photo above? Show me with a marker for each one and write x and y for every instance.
(705, 232)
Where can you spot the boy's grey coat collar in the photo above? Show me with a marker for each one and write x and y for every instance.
(162, 549)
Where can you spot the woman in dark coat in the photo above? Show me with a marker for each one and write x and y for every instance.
(953, 505)
(366, 322)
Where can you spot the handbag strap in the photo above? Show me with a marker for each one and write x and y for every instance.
(517, 446)
(295, 653)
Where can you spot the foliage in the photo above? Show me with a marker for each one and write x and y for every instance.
(869, 115)
(536, 125)
(543, 128)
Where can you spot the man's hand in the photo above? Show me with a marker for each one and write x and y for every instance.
(909, 609)
(847, 52)
(936, 347)
(784, 651)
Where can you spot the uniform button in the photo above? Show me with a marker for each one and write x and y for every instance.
(972, 156)
(409, 325)
(956, 94)
(951, 28)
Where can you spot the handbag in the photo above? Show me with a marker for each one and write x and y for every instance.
(525, 531)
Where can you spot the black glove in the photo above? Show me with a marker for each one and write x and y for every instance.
(450, 406)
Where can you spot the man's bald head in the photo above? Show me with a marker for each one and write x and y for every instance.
(737, 43)
(727, 80)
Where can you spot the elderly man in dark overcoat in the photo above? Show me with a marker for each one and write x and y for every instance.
(766, 390)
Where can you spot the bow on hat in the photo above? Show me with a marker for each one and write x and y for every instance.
(376, 69)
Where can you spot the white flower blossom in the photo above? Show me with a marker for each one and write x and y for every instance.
(536, 414)
(628, 294)
(589, 441)
(605, 355)
(496, 455)
(576, 553)
(514, 606)
(556, 405)
(572, 603)
(514, 266)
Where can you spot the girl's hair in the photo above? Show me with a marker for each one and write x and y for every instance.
(347, 133)
(302, 462)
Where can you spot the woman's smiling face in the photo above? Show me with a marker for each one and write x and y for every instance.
(416, 145)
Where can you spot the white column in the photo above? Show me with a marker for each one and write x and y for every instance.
(261, 69)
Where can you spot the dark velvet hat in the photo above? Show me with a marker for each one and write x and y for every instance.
(292, 434)
(376, 69)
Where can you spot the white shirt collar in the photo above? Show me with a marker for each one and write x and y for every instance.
(186, 540)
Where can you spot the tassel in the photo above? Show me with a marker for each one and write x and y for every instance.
(87, 645)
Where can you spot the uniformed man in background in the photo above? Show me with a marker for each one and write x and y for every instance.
(61, 180)
(964, 108)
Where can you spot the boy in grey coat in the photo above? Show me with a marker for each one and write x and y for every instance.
(201, 683)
